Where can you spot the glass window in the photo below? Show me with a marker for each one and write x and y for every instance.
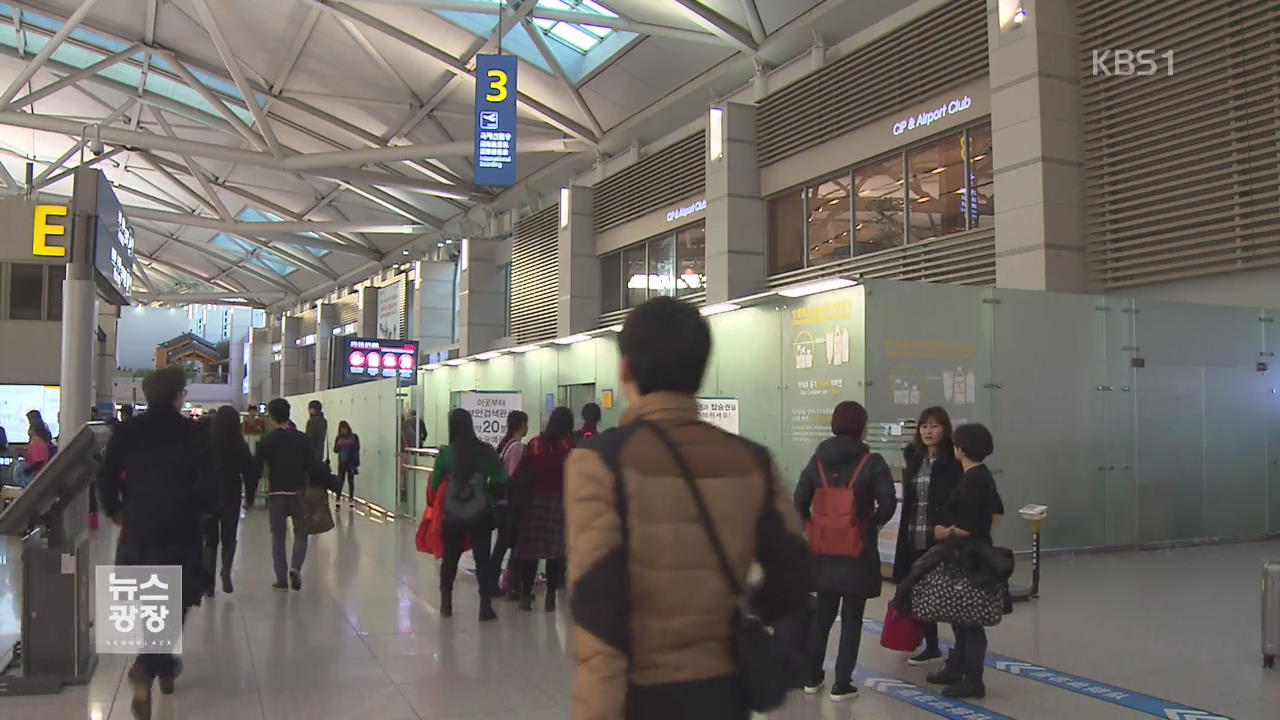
(691, 260)
(879, 213)
(786, 232)
(829, 221)
(611, 281)
(26, 291)
(635, 269)
(934, 187)
(662, 274)
(979, 204)
(57, 273)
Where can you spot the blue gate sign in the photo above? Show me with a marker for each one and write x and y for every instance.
(495, 155)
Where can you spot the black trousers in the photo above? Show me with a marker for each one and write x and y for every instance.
(221, 529)
(507, 525)
(719, 698)
(850, 608)
(347, 475)
(160, 664)
(528, 574)
(454, 538)
(970, 652)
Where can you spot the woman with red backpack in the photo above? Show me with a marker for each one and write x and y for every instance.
(845, 494)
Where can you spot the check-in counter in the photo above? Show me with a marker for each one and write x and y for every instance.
(417, 465)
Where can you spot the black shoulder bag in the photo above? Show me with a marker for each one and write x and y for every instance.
(761, 656)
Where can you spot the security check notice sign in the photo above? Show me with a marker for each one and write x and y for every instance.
(495, 155)
(138, 609)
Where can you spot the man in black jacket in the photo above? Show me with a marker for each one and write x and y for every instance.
(317, 429)
(287, 455)
(155, 484)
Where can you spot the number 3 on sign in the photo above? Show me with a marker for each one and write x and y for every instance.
(497, 86)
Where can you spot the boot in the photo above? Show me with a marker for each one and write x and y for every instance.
(969, 688)
(446, 603)
(211, 566)
(486, 609)
(141, 681)
(551, 600)
(526, 602)
(228, 552)
(950, 673)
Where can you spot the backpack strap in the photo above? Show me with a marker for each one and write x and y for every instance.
(822, 475)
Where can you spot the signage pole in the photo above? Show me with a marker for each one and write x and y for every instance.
(79, 317)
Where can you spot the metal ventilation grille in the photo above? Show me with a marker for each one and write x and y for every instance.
(308, 325)
(668, 176)
(943, 49)
(1182, 170)
(534, 276)
(348, 310)
(617, 317)
(963, 259)
(406, 293)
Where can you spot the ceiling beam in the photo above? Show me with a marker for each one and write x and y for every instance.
(237, 227)
(213, 297)
(295, 52)
(732, 32)
(233, 68)
(454, 65)
(73, 78)
(535, 33)
(39, 180)
(34, 64)
(754, 21)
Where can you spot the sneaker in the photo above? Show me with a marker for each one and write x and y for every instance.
(843, 692)
(928, 657)
(813, 686)
(945, 676)
(965, 689)
(280, 586)
(295, 579)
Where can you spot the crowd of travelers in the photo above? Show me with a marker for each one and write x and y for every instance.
(699, 586)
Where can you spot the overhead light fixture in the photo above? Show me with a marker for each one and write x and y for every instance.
(432, 366)
(976, 158)
(571, 339)
(1020, 17)
(489, 355)
(718, 308)
(564, 207)
(715, 133)
(938, 170)
(525, 348)
(457, 361)
(616, 328)
(924, 199)
(817, 286)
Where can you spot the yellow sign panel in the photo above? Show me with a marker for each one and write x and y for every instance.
(40, 246)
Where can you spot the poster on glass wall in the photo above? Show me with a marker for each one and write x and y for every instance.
(389, 300)
(489, 412)
(721, 412)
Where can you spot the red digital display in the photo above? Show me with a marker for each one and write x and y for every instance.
(366, 359)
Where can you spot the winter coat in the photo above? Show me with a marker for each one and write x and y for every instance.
(942, 483)
(170, 488)
(235, 475)
(676, 619)
(840, 456)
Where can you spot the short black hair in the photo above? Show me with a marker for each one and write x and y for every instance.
(591, 413)
(666, 343)
(850, 419)
(974, 440)
(315, 405)
(278, 409)
(163, 386)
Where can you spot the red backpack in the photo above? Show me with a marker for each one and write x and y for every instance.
(834, 529)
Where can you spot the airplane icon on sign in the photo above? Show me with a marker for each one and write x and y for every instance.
(488, 120)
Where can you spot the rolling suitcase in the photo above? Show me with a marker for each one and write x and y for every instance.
(1270, 612)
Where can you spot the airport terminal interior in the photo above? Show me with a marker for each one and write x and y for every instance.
(1051, 223)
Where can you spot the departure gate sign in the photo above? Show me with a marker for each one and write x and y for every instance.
(495, 155)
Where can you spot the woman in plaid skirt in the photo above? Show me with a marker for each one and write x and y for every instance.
(541, 530)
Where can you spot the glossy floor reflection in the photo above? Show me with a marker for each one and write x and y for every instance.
(364, 640)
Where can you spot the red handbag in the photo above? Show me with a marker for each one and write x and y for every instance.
(901, 631)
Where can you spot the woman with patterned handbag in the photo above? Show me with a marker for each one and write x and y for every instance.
(970, 513)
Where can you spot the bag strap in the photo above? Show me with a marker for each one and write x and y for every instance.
(857, 473)
(707, 523)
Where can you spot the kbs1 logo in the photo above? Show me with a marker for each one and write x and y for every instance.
(1128, 63)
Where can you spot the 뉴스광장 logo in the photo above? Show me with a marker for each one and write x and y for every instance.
(138, 609)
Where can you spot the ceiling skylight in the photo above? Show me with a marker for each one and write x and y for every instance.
(580, 37)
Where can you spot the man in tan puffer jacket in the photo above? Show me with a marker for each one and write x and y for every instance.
(662, 650)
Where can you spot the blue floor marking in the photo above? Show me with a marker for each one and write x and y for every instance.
(1146, 704)
(926, 700)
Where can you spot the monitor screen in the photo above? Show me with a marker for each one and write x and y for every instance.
(16, 400)
(363, 359)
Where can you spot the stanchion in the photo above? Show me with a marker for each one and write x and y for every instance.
(1035, 514)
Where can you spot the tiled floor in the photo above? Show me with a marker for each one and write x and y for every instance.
(364, 640)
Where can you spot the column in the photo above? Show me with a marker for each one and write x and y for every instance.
(433, 299)
(79, 316)
(105, 367)
(737, 234)
(326, 321)
(578, 285)
(235, 374)
(367, 327)
(260, 366)
(290, 383)
(1037, 146)
(479, 299)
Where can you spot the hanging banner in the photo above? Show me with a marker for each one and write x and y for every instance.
(495, 155)
(489, 412)
(721, 412)
(389, 300)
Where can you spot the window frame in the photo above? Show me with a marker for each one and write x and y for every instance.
(618, 255)
(902, 154)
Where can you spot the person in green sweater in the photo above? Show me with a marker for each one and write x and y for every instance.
(469, 466)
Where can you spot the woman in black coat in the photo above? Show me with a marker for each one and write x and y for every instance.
(932, 472)
(236, 477)
(845, 583)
